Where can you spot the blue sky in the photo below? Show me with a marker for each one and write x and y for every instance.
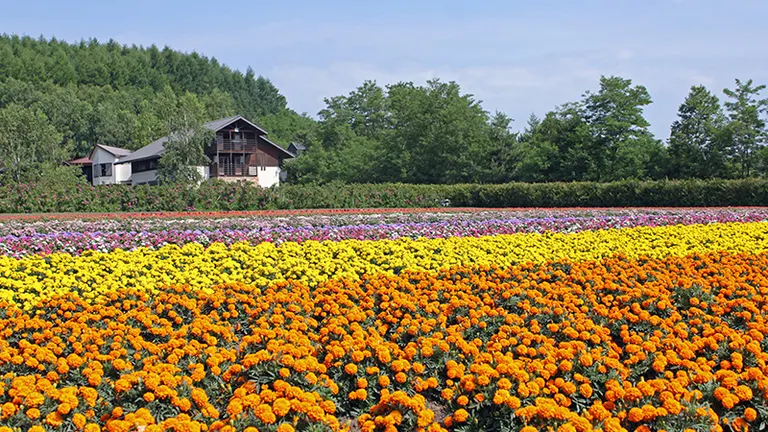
(517, 57)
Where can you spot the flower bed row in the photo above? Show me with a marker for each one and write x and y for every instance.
(18, 239)
(673, 343)
(94, 274)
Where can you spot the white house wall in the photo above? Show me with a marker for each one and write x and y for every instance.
(204, 171)
(120, 173)
(269, 176)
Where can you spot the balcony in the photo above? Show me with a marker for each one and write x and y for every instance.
(234, 170)
(241, 145)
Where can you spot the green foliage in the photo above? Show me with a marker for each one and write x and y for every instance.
(117, 95)
(419, 134)
(94, 64)
(125, 96)
(187, 140)
(697, 143)
(747, 128)
(215, 195)
(27, 142)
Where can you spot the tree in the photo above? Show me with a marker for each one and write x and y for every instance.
(187, 140)
(622, 145)
(439, 135)
(697, 144)
(747, 128)
(558, 148)
(504, 149)
(27, 142)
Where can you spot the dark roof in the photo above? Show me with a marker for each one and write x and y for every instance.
(278, 147)
(298, 146)
(152, 150)
(220, 123)
(157, 148)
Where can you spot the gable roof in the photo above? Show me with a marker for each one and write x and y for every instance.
(278, 147)
(116, 151)
(217, 125)
(152, 150)
(157, 147)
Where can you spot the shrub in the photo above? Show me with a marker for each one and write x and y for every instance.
(217, 195)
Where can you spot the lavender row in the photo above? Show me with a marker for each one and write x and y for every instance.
(52, 237)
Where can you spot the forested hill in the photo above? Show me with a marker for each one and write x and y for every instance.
(93, 92)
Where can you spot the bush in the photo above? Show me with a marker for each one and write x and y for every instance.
(217, 195)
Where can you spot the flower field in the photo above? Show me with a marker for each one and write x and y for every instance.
(527, 320)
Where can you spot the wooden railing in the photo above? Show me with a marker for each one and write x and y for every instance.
(234, 170)
(247, 145)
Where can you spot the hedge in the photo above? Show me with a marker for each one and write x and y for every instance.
(222, 196)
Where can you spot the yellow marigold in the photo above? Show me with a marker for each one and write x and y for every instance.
(184, 404)
(281, 407)
(79, 420)
(235, 407)
(64, 408)
(8, 410)
(264, 413)
(384, 381)
(122, 385)
(33, 413)
(54, 419)
(350, 369)
(285, 427)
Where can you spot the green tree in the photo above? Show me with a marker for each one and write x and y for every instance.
(557, 148)
(747, 128)
(504, 151)
(27, 143)
(622, 145)
(188, 139)
(439, 134)
(697, 144)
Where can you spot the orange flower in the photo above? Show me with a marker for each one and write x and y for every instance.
(285, 427)
(750, 414)
(461, 415)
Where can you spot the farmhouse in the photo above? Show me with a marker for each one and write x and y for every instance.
(240, 151)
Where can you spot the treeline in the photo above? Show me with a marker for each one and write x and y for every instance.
(58, 99)
(436, 134)
(216, 195)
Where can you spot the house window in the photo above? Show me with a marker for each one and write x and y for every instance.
(103, 170)
(145, 165)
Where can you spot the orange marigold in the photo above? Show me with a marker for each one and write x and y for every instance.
(461, 415)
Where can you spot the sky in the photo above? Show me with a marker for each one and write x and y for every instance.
(519, 57)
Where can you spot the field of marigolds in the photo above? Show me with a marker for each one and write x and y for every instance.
(431, 320)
